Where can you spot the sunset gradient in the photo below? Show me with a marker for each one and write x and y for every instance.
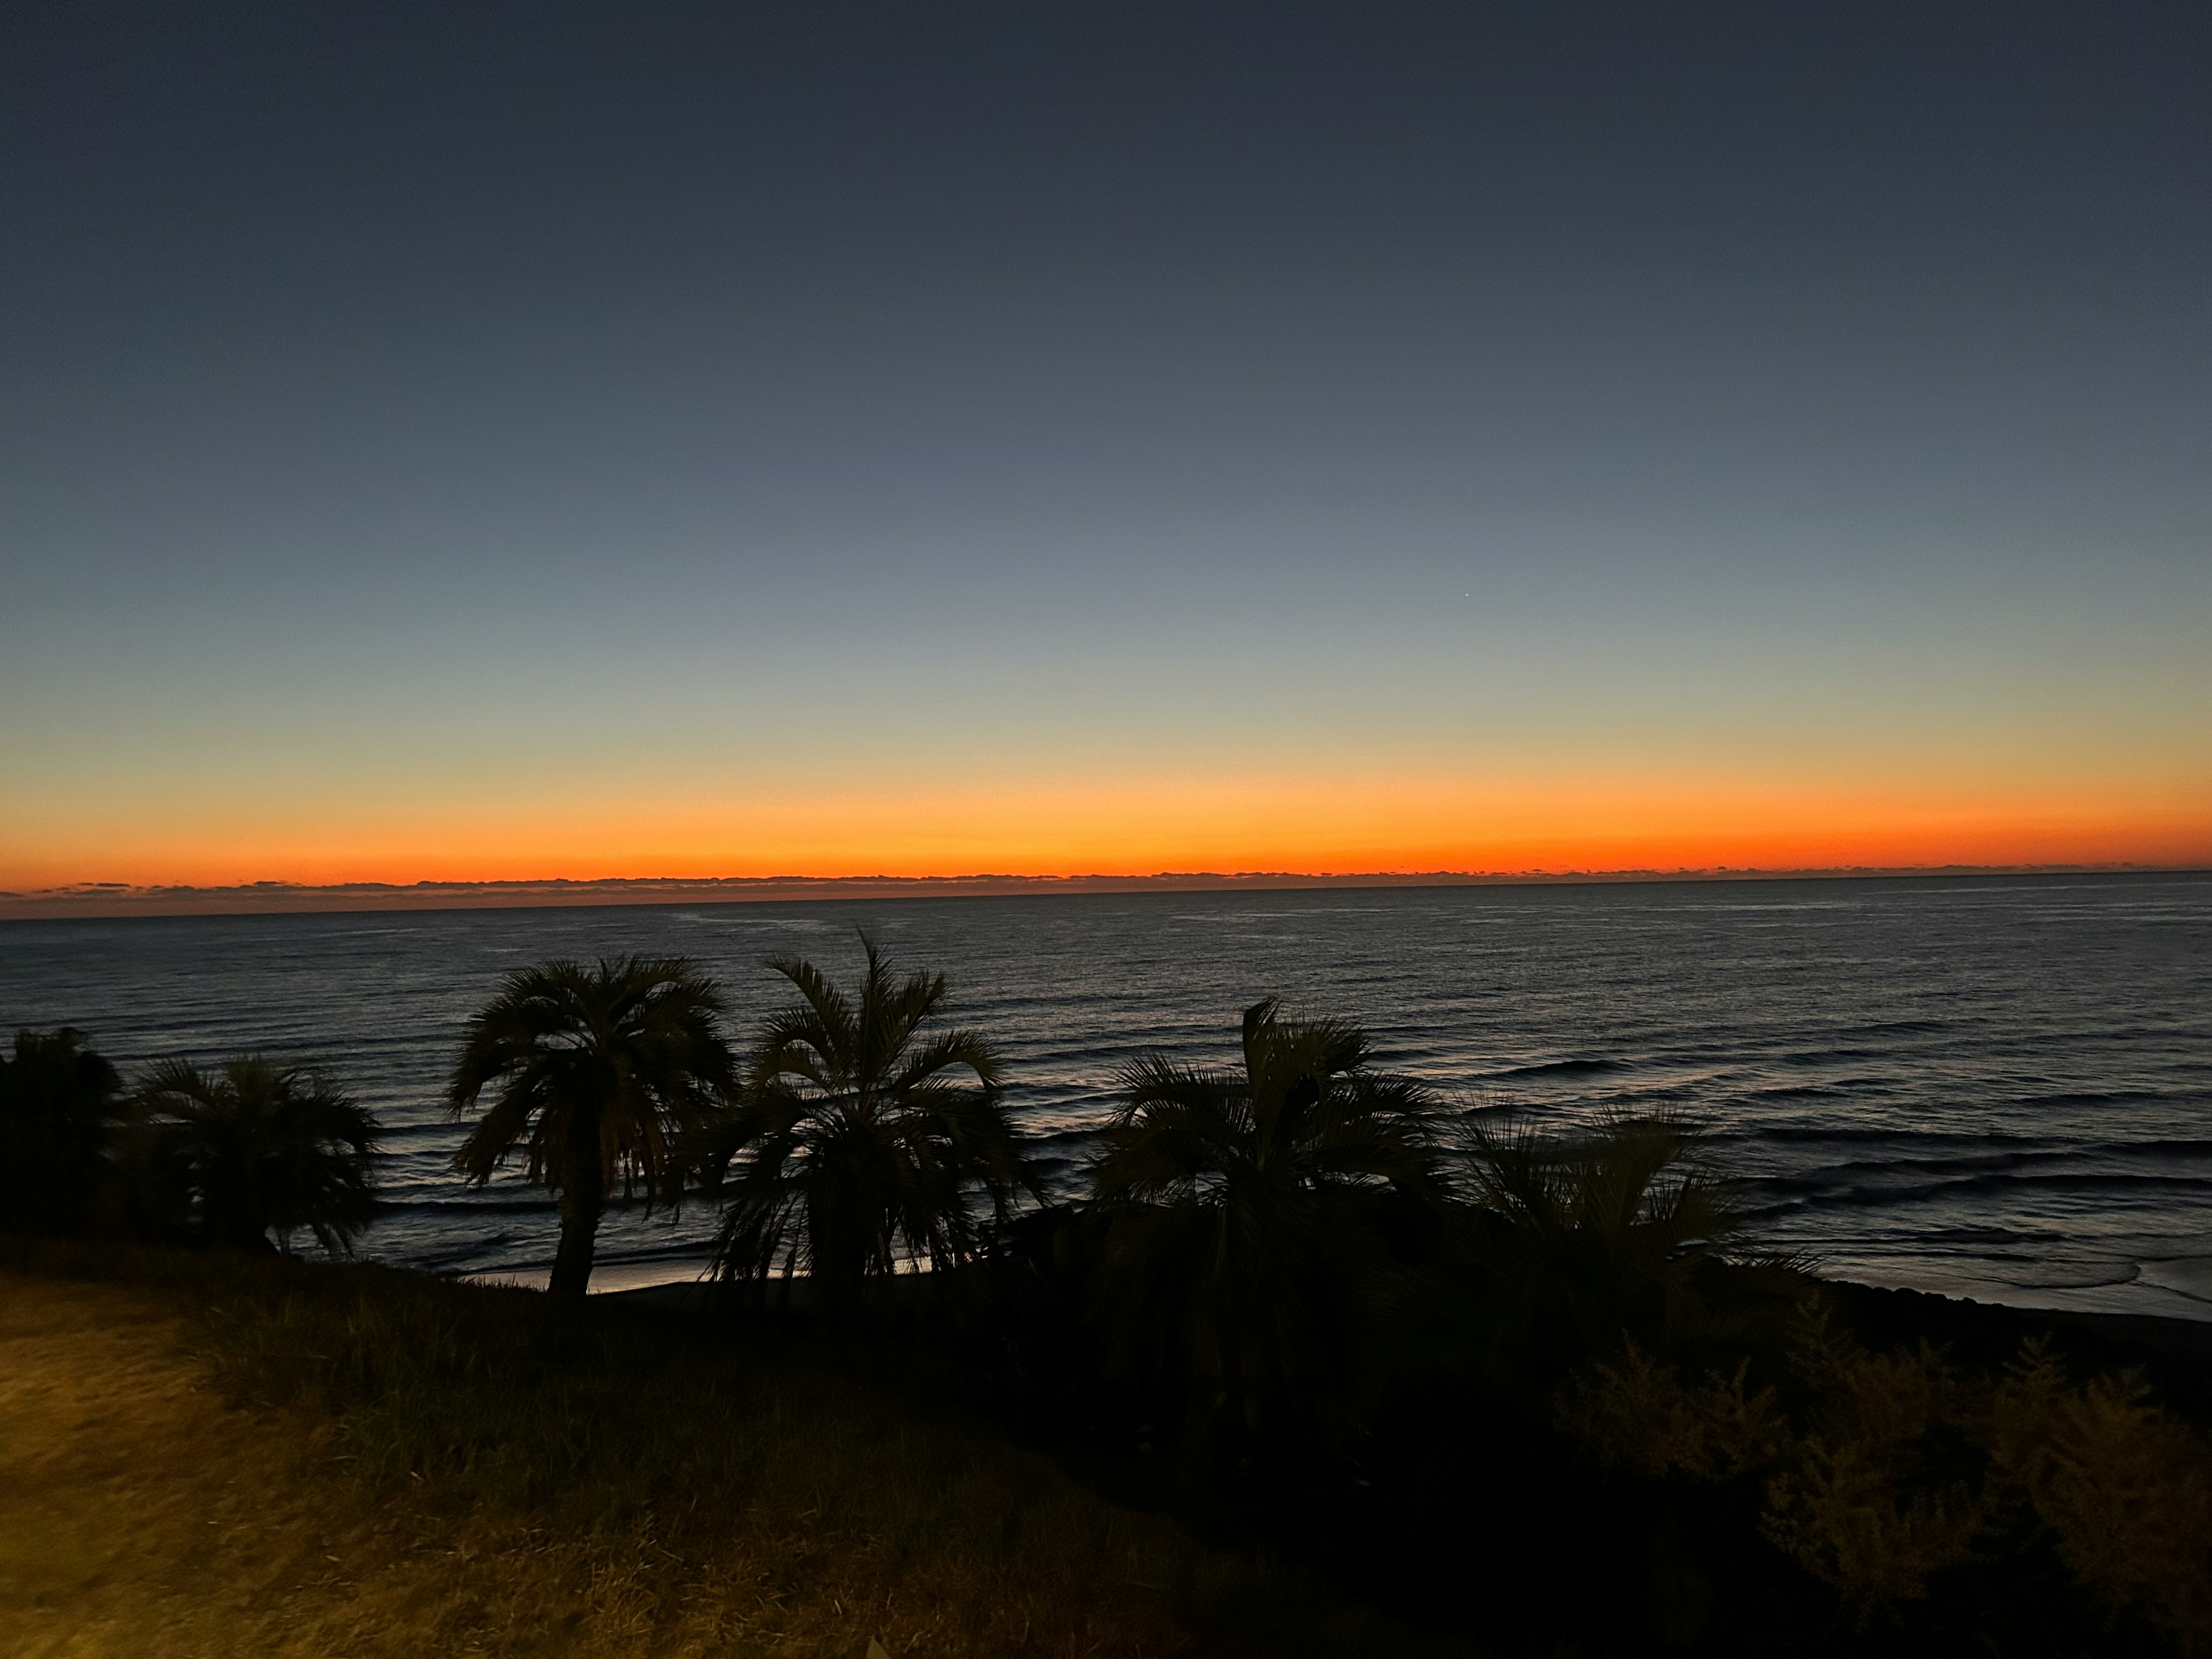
(1343, 823)
(1108, 441)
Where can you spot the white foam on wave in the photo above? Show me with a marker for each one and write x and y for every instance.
(2190, 1276)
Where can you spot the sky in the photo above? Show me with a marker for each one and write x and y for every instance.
(503, 442)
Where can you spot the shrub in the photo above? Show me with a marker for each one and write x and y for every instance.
(58, 1104)
(2124, 1487)
(1641, 1414)
(1892, 1467)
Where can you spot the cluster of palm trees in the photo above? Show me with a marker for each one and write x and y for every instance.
(1248, 1233)
(1251, 1234)
(851, 1139)
(856, 1137)
(245, 1155)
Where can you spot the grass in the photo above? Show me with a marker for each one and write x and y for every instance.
(208, 1456)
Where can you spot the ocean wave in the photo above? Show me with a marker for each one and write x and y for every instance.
(1560, 1068)
(1845, 1135)
(1820, 1190)
(1914, 1060)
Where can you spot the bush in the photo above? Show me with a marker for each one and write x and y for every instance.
(58, 1104)
(2124, 1487)
(1885, 1469)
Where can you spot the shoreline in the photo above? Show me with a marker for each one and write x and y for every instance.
(2174, 1355)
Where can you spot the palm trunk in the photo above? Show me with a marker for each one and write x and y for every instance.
(580, 1205)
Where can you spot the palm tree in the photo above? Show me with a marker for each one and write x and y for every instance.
(1605, 1228)
(58, 1104)
(855, 1147)
(254, 1147)
(605, 1074)
(1243, 1255)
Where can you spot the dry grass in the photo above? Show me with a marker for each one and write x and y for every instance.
(492, 1502)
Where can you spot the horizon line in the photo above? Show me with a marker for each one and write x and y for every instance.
(95, 900)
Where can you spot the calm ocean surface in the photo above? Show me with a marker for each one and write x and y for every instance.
(1987, 1086)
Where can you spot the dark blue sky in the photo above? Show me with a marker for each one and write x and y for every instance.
(396, 396)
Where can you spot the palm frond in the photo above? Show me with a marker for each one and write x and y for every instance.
(946, 1051)
(260, 1148)
(1242, 1256)
(852, 1148)
(604, 1075)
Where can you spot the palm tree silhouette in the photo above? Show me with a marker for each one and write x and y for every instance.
(58, 1105)
(1602, 1229)
(604, 1075)
(1242, 1256)
(853, 1148)
(253, 1148)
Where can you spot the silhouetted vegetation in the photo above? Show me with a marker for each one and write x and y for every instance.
(1532, 1386)
(248, 1149)
(244, 1155)
(604, 1075)
(852, 1148)
(59, 1108)
(1247, 1218)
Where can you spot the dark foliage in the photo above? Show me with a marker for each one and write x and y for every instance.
(1245, 1263)
(603, 1075)
(1530, 1388)
(59, 1104)
(249, 1149)
(855, 1148)
(1578, 1239)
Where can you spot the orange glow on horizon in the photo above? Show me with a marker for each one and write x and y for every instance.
(1319, 824)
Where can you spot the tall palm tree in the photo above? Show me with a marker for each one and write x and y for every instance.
(604, 1075)
(1244, 1253)
(255, 1148)
(859, 1138)
(58, 1104)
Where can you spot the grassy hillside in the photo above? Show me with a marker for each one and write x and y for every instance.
(202, 1456)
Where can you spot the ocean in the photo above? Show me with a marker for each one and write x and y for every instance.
(1998, 1087)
